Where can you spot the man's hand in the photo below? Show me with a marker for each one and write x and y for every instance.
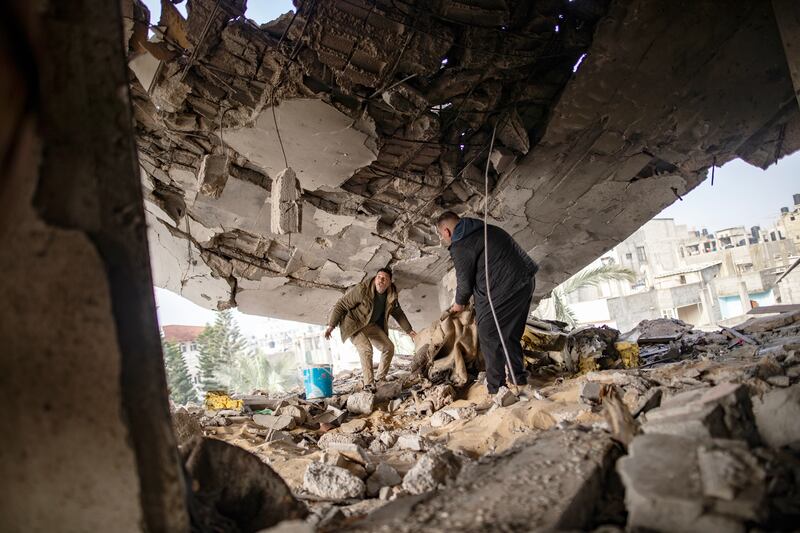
(413, 335)
(328, 332)
(456, 308)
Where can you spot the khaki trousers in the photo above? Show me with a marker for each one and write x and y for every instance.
(364, 340)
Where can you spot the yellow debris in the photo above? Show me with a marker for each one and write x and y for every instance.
(217, 400)
(629, 353)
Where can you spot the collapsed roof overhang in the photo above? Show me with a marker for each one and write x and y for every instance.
(386, 109)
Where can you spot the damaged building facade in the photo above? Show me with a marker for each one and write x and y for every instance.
(270, 167)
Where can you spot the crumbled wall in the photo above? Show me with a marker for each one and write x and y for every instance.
(81, 373)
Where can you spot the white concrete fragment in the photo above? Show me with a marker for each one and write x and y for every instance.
(285, 201)
(213, 174)
(777, 415)
(362, 403)
(434, 468)
(441, 418)
(274, 422)
(332, 482)
(411, 441)
(384, 476)
(505, 397)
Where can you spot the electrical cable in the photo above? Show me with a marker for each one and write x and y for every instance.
(486, 259)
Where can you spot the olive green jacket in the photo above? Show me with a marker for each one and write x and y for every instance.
(353, 310)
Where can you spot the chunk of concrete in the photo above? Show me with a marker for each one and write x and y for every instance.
(353, 426)
(332, 482)
(388, 390)
(724, 411)
(779, 381)
(361, 403)
(461, 413)
(352, 452)
(437, 466)
(384, 476)
(285, 206)
(777, 415)
(213, 174)
(296, 412)
(283, 422)
(411, 441)
(441, 418)
(664, 490)
(505, 397)
(726, 472)
(332, 438)
(590, 392)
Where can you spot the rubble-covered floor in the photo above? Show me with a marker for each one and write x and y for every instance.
(705, 439)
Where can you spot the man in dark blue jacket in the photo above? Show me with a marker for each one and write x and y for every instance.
(511, 274)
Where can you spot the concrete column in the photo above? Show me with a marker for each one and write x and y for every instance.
(81, 375)
(744, 297)
(708, 309)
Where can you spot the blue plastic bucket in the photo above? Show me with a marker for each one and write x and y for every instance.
(318, 381)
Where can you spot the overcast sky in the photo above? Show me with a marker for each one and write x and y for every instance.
(742, 195)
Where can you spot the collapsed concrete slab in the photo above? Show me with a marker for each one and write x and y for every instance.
(392, 127)
(675, 483)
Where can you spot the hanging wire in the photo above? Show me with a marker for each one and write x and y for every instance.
(486, 258)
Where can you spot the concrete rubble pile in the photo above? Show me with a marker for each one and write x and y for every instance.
(720, 412)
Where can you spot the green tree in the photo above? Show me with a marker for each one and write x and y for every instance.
(220, 346)
(256, 370)
(558, 307)
(179, 380)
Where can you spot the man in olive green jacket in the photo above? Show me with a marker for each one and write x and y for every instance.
(362, 315)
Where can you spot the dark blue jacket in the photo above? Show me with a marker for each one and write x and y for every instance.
(511, 270)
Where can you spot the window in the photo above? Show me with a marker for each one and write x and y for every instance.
(629, 257)
(183, 347)
(667, 313)
(683, 254)
(640, 253)
(683, 279)
(194, 346)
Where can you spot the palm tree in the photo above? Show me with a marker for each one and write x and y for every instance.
(588, 277)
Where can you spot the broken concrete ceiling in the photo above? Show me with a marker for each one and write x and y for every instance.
(385, 111)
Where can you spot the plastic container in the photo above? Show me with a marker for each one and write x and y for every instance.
(318, 381)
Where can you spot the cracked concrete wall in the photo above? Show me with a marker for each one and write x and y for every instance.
(387, 123)
(82, 376)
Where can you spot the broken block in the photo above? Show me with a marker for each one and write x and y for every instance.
(434, 468)
(353, 426)
(441, 418)
(330, 438)
(505, 397)
(213, 174)
(777, 414)
(285, 213)
(332, 482)
(388, 390)
(361, 403)
(274, 422)
(384, 476)
(724, 411)
(668, 489)
(412, 442)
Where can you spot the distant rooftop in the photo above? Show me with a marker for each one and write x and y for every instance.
(692, 268)
(178, 333)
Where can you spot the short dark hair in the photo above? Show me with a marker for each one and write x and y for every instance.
(445, 217)
(385, 269)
